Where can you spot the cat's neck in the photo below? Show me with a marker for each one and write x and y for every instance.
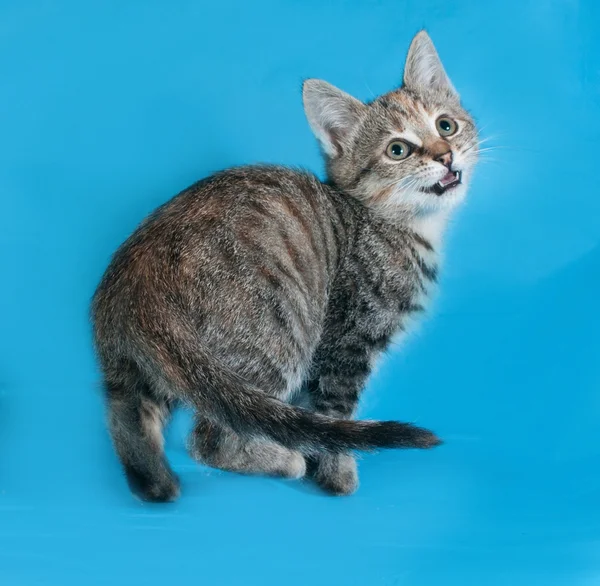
(431, 226)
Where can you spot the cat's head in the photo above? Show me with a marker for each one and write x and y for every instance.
(412, 149)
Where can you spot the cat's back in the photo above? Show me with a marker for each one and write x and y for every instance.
(234, 197)
(240, 228)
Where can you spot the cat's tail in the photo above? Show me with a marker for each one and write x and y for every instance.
(222, 395)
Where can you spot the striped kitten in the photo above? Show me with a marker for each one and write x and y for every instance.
(260, 287)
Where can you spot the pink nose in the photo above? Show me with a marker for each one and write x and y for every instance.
(445, 159)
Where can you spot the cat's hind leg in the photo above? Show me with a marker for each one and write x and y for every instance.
(136, 417)
(219, 447)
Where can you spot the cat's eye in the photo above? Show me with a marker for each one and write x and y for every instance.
(398, 150)
(446, 126)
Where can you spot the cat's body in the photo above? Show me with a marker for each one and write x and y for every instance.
(260, 287)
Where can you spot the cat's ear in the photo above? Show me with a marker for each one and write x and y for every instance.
(331, 113)
(423, 69)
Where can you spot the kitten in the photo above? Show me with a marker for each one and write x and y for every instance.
(261, 286)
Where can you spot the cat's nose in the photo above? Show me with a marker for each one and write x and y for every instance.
(445, 159)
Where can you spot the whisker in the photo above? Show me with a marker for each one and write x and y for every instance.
(409, 184)
(482, 130)
(405, 182)
(486, 160)
(484, 141)
(488, 149)
(483, 150)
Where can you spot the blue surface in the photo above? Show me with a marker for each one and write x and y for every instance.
(109, 108)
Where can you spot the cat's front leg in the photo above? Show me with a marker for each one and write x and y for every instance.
(335, 393)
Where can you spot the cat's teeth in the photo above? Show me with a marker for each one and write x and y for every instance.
(451, 179)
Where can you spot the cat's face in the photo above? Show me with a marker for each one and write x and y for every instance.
(411, 150)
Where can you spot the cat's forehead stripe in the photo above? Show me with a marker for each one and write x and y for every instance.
(410, 137)
(407, 106)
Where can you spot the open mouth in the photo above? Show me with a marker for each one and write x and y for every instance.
(448, 181)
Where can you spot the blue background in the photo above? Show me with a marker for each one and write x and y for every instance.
(109, 108)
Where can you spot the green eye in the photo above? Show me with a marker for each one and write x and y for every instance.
(446, 126)
(398, 150)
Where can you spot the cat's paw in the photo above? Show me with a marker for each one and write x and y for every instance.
(163, 489)
(294, 466)
(336, 474)
(340, 484)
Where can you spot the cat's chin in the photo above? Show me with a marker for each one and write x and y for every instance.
(453, 191)
(449, 199)
(425, 202)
